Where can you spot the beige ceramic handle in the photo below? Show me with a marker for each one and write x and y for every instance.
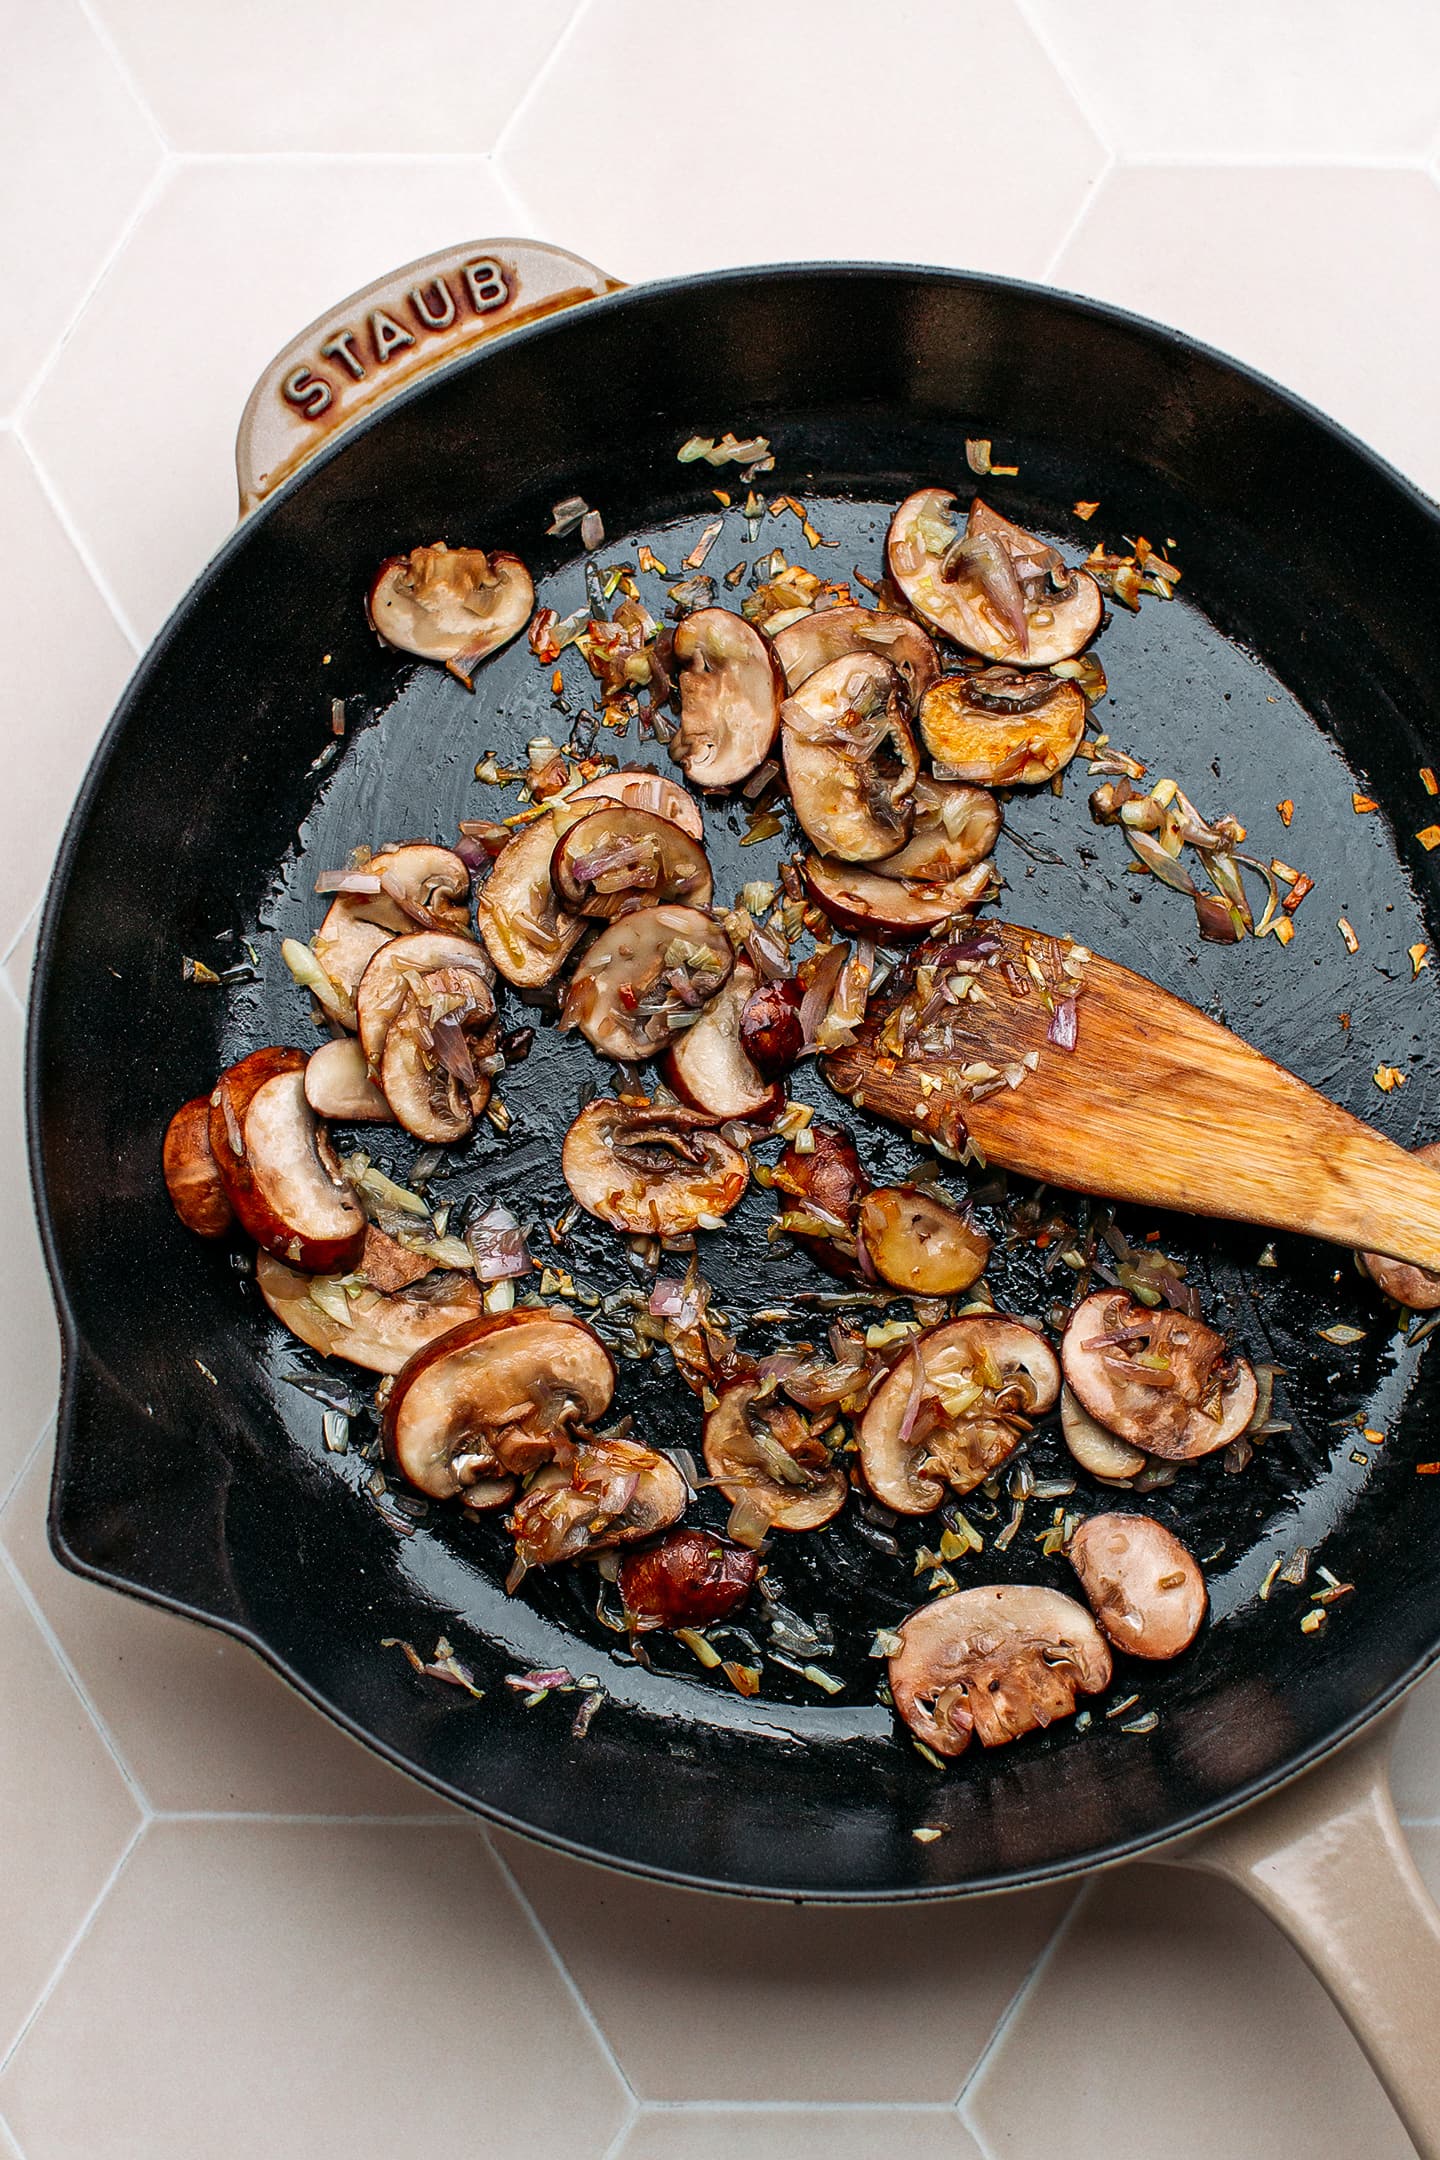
(386, 336)
(1327, 1860)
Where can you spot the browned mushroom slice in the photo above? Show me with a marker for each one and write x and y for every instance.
(804, 647)
(400, 969)
(613, 1493)
(850, 759)
(915, 1242)
(1141, 1583)
(451, 604)
(998, 1662)
(882, 908)
(956, 827)
(440, 1057)
(496, 1397)
(639, 787)
(398, 890)
(1415, 1287)
(775, 1473)
(689, 1579)
(1158, 1379)
(1002, 726)
(731, 685)
(342, 1317)
(821, 1194)
(342, 949)
(709, 1069)
(996, 589)
(279, 1174)
(1102, 1453)
(527, 933)
(770, 1032)
(652, 1169)
(953, 1408)
(192, 1175)
(617, 858)
(338, 1085)
(643, 979)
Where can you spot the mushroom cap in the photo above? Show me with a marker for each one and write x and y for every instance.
(1167, 1417)
(871, 903)
(997, 1661)
(436, 1100)
(615, 858)
(1019, 745)
(527, 933)
(639, 787)
(956, 826)
(1103, 1454)
(689, 1579)
(392, 974)
(982, 1379)
(1143, 1586)
(192, 1175)
(382, 1331)
(613, 1493)
(267, 1147)
(770, 1032)
(450, 604)
(338, 1085)
(1415, 1287)
(804, 647)
(850, 758)
(922, 534)
(708, 1067)
(651, 1169)
(826, 1186)
(917, 1243)
(628, 962)
(746, 1445)
(731, 686)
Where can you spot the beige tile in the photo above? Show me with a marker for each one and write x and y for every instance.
(713, 178)
(1324, 279)
(29, 1337)
(1415, 1764)
(63, 674)
(76, 153)
(1240, 79)
(799, 2134)
(234, 258)
(310, 1993)
(66, 1814)
(708, 1998)
(200, 1721)
(1173, 2019)
(20, 959)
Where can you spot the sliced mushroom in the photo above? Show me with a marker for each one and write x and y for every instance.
(527, 933)
(613, 1492)
(451, 604)
(915, 1242)
(956, 827)
(1412, 1286)
(636, 988)
(731, 685)
(638, 787)
(338, 1085)
(850, 759)
(415, 885)
(708, 1067)
(1158, 1379)
(996, 589)
(804, 647)
(1002, 726)
(691, 1578)
(1141, 1583)
(770, 1032)
(997, 1662)
(881, 907)
(279, 1174)
(1100, 1452)
(399, 970)
(192, 1175)
(651, 1169)
(774, 1472)
(440, 1056)
(496, 1397)
(342, 949)
(369, 1327)
(617, 858)
(825, 1187)
(953, 1408)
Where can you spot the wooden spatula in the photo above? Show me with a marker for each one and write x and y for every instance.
(1155, 1102)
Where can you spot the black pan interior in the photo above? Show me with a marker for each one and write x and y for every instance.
(1294, 665)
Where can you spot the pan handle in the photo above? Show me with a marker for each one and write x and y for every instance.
(1326, 1859)
(387, 336)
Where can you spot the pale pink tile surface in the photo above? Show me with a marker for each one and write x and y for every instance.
(799, 2134)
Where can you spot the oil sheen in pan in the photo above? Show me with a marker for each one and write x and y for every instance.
(1189, 702)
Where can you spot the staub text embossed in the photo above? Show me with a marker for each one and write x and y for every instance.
(476, 288)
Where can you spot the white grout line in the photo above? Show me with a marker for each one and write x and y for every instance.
(101, 1725)
(617, 2144)
(81, 546)
(1083, 209)
(8, 1492)
(532, 89)
(1013, 2009)
(19, 1003)
(33, 916)
(796, 2107)
(100, 31)
(1060, 61)
(8, 2140)
(75, 1941)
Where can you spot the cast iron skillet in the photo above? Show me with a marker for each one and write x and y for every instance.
(1296, 663)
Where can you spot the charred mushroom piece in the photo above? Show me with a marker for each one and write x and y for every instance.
(1160, 1380)
(527, 933)
(449, 604)
(338, 1085)
(770, 1032)
(1141, 1583)
(279, 1174)
(638, 787)
(804, 647)
(379, 1330)
(1412, 1286)
(731, 685)
(192, 1175)
(1103, 1454)
(953, 1409)
(496, 1397)
(851, 760)
(440, 1055)
(399, 972)
(776, 1474)
(824, 1188)
(1002, 726)
(708, 1066)
(613, 1493)
(956, 827)
(878, 906)
(617, 858)
(915, 1242)
(644, 978)
(995, 589)
(691, 1578)
(997, 1662)
(651, 1169)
